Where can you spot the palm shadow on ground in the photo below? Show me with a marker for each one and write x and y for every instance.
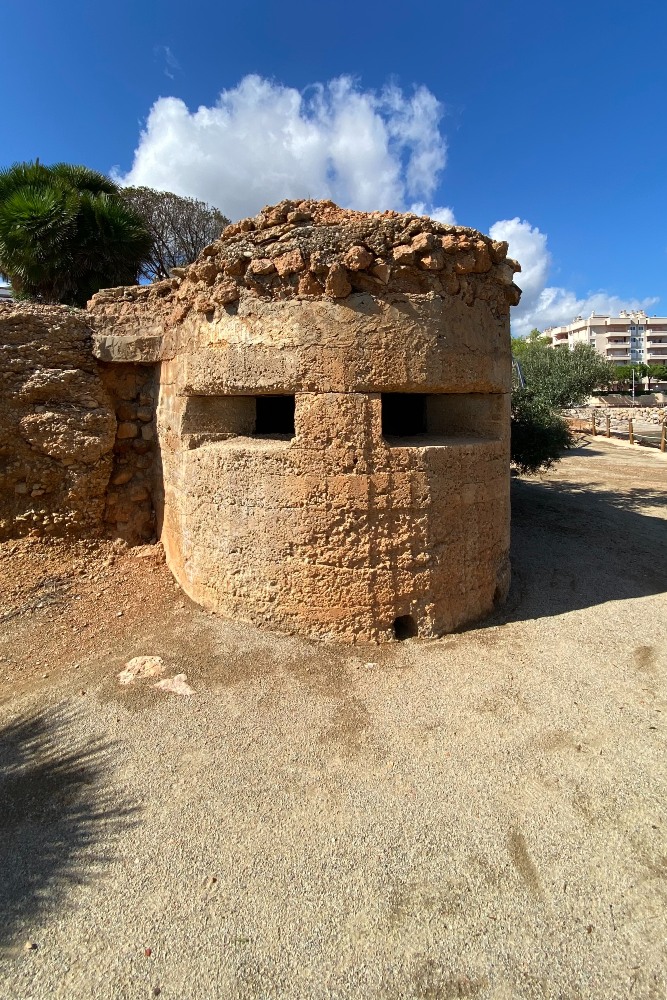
(58, 819)
(575, 546)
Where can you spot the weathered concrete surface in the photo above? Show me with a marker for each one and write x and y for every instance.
(57, 423)
(333, 524)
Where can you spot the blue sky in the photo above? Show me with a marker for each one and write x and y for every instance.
(544, 123)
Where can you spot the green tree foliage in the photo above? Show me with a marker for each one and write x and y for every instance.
(180, 227)
(65, 233)
(521, 345)
(554, 379)
(562, 377)
(539, 434)
(623, 374)
(657, 373)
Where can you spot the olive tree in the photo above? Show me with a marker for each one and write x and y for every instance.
(552, 379)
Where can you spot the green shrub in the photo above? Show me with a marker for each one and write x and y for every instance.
(539, 434)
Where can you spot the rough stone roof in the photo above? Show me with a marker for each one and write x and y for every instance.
(311, 249)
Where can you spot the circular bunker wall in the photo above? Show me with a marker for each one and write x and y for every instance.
(333, 421)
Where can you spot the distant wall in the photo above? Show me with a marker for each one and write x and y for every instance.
(618, 416)
(76, 438)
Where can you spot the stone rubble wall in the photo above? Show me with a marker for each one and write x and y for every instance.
(67, 464)
(314, 250)
(57, 424)
(619, 415)
(129, 510)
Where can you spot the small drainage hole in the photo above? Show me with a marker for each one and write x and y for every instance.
(405, 627)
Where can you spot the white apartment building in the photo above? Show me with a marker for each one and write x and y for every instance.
(625, 339)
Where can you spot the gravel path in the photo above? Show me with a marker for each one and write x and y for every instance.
(479, 816)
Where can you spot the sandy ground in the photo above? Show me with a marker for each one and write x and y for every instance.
(478, 816)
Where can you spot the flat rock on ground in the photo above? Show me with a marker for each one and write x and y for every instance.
(477, 816)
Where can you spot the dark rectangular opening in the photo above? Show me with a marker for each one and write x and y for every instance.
(274, 416)
(403, 414)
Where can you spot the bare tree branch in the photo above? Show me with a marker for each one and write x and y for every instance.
(180, 227)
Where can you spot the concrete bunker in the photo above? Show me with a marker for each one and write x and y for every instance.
(332, 420)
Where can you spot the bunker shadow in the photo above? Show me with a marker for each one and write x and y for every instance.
(575, 547)
(58, 820)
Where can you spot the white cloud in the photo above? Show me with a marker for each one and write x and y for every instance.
(545, 305)
(262, 142)
(440, 214)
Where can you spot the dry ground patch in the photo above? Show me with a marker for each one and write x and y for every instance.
(477, 816)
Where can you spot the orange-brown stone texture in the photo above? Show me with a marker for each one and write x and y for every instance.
(332, 419)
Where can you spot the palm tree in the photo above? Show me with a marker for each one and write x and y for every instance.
(65, 232)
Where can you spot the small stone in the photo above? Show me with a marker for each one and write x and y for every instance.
(318, 265)
(145, 413)
(140, 667)
(465, 263)
(310, 286)
(236, 267)
(289, 263)
(175, 685)
(337, 284)
(126, 411)
(450, 244)
(499, 250)
(404, 255)
(451, 284)
(147, 432)
(261, 266)
(30, 946)
(425, 241)
(204, 305)
(298, 216)
(122, 477)
(226, 291)
(357, 258)
(433, 261)
(381, 271)
(126, 429)
(207, 272)
(483, 261)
